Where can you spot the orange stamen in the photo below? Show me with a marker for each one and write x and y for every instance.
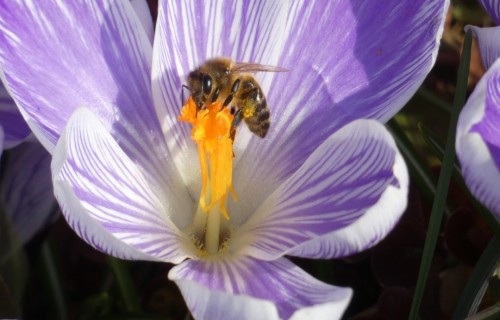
(211, 127)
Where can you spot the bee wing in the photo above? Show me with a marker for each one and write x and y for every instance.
(255, 67)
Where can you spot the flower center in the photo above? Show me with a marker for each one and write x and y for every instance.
(211, 132)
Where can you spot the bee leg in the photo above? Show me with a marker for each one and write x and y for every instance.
(215, 96)
(227, 101)
(230, 97)
(235, 86)
(238, 116)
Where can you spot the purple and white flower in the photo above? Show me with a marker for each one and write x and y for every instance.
(478, 129)
(493, 9)
(26, 194)
(12, 123)
(488, 38)
(104, 100)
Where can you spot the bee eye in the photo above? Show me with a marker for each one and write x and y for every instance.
(206, 83)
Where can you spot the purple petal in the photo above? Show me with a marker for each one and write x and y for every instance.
(26, 189)
(108, 201)
(15, 128)
(345, 63)
(141, 8)
(61, 56)
(338, 70)
(478, 140)
(489, 43)
(237, 288)
(190, 32)
(2, 136)
(493, 9)
(346, 197)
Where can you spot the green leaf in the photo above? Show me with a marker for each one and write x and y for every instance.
(125, 284)
(444, 179)
(434, 99)
(7, 305)
(13, 262)
(478, 281)
(50, 271)
(95, 306)
(418, 170)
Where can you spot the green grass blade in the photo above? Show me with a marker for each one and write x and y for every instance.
(125, 284)
(418, 171)
(444, 179)
(53, 282)
(478, 281)
(434, 99)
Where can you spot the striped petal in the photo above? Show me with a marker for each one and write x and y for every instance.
(61, 55)
(489, 43)
(26, 189)
(108, 201)
(346, 197)
(11, 120)
(478, 140)
(339, 71)
(245, 288)
(141, 8)
(190, 32)
(493, 9)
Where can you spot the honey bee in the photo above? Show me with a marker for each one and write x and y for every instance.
(230, 82)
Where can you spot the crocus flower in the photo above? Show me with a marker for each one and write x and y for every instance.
(487, 38)
(478, 129)
(322, 184)
(12, 123)
(492, 7)
(26, 194)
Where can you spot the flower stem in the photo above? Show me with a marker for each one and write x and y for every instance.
(444, 179)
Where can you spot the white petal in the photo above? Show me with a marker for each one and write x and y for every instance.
(489, 43)
(244, 288)
(475, 146)
(345, 198)
(190, 32)
(108, 201)
(141, 8)
(345, 62)
(58, 56)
